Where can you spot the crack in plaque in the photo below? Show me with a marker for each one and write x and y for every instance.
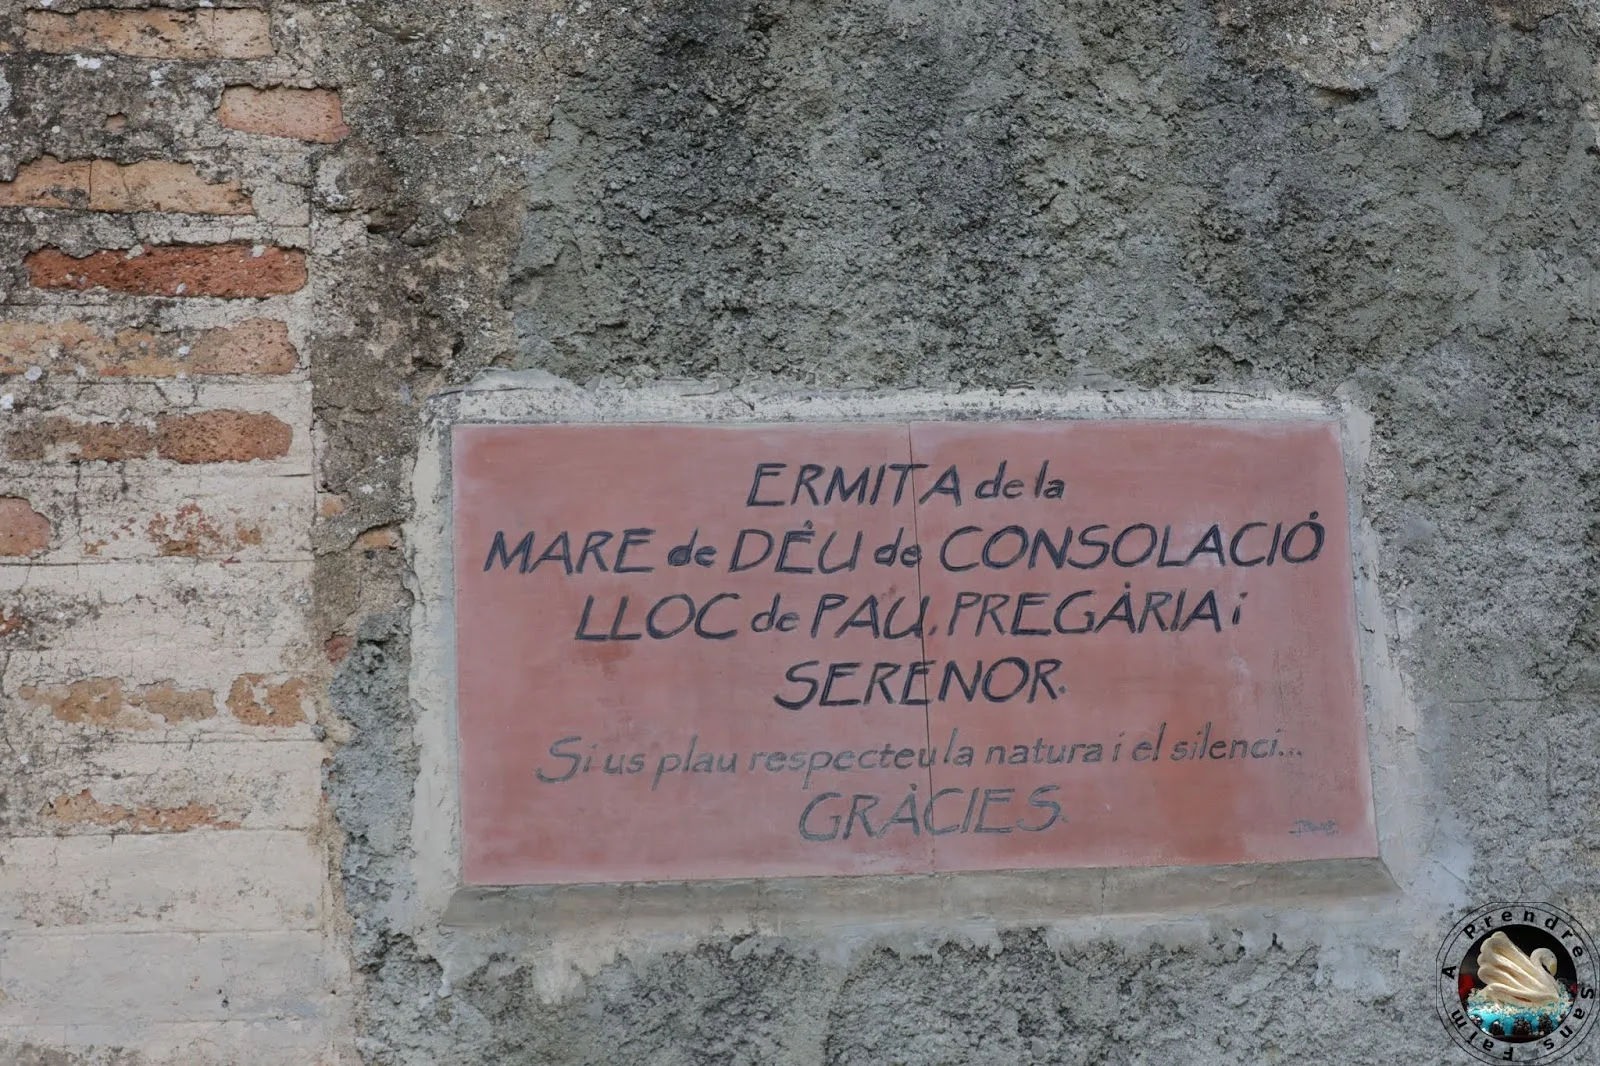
(922, 638)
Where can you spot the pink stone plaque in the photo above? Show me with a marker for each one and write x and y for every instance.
(707, 652)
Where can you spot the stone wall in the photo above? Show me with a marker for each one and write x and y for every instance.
(258, 259)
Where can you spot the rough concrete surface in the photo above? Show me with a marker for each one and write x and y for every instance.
(1388, 208)
(1392, 205)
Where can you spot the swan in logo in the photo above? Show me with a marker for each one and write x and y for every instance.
(1519, 998)
(1511, 977)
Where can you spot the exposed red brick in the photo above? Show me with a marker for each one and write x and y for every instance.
(383, 538)
(103, 701)
(93, 701)
(254, 346)
(159, 185)
(190, 532)
(303, 114)
(166, 700)
(207, 437)
(23, 531)
(104, 185)
(227, 270)
(84, 809)
(254, 701)
(28, 344)
(85, 441)
(222, 437)
(48, 182)
(337, 647)
(222, 33)
(13, 622)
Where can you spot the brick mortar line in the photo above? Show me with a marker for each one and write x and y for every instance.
(214, 738)
(149, 380)
(45, 933)
(181, 834)
(167, 561)
(182, 474)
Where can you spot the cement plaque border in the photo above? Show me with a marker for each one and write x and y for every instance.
(696, 908)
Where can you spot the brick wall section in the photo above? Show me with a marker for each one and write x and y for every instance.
(254, 346)
(207, 437)
(23, 531)
(303, 114)
(105, 701)
(226, 270)
(227, 33)
(105, 185)
(221, 437)
(163, 843)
